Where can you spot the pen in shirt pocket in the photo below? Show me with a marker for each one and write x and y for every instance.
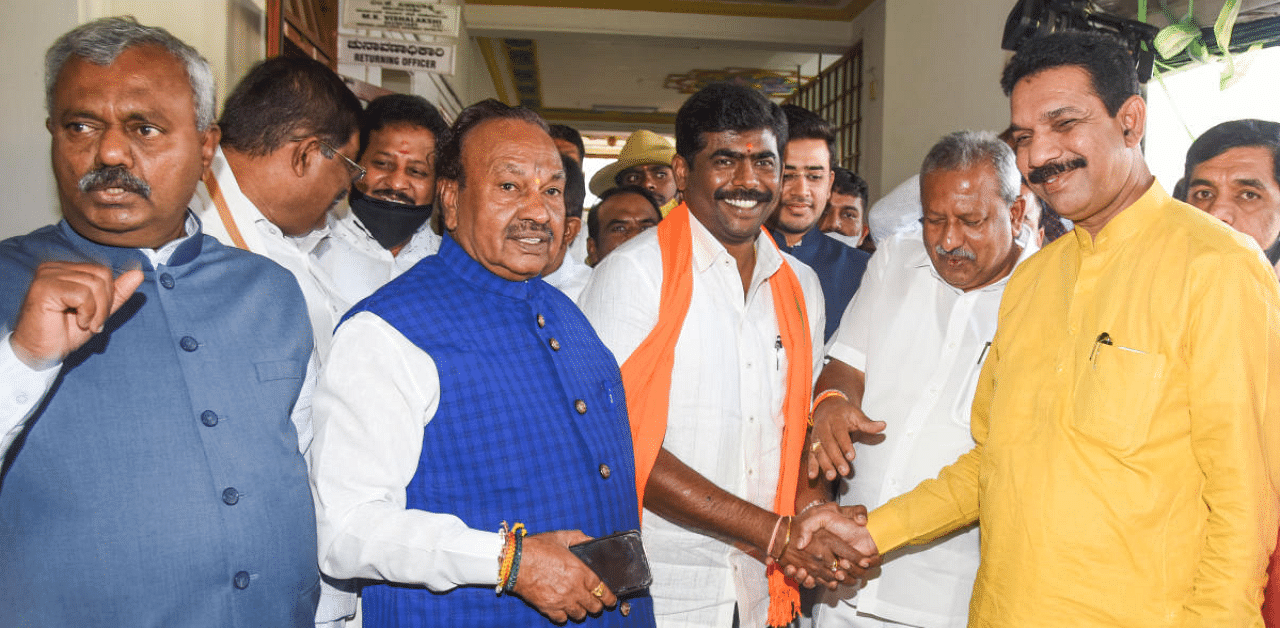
(777, 353)
(985, 348)
(1104, 338)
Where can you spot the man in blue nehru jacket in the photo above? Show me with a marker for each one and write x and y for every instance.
(807, 175)
(148, 375)
(467, 394)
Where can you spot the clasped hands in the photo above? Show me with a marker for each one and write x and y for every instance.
(829, 545)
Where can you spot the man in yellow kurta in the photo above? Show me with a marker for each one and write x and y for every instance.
(1127, 419)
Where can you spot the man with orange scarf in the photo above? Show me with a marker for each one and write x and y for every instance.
(714, 327)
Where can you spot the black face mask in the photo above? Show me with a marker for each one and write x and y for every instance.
(390, 223)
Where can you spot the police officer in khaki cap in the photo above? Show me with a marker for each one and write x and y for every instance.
(645, 160)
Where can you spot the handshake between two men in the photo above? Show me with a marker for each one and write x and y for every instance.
(823, 529)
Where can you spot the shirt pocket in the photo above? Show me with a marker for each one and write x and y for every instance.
(1117, 394)
(272, 370)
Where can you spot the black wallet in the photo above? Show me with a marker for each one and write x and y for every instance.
(619, 561)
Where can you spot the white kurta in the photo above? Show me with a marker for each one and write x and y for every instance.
(725, 415)
(263, 237)
(357, 265)
(921, 343)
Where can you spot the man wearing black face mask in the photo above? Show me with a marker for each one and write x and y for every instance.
(386, 229)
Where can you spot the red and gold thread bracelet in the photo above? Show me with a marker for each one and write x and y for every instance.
(510, 547)
(517, 534)
(823, 396)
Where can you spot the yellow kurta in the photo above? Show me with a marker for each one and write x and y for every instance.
(1129, 484)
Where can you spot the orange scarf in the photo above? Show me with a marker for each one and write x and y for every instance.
(646, 377)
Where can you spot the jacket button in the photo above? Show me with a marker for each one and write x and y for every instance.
(241, 580)
(229, 497)
(555, 344)
(188, 344)
(209, 418)
(166, 280)
(580, 406)
(605, 471)
(624, 608)
(542, 322)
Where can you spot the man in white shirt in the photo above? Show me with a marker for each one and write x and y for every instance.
(723, 462)
(908, 354)
(565, 272)
(288, 129)
(386, 228)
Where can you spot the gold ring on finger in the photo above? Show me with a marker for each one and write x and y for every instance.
(813, 449)
(835, 565)
(599, 590)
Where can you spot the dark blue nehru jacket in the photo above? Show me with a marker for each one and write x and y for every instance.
(532, 427)
(839, 267)
(160, 482)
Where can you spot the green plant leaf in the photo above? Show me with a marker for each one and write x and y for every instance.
(1222, 30)
(1175, 38)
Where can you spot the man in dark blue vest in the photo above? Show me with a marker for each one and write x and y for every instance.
(467, 395)
(152, 474)
(806, 186)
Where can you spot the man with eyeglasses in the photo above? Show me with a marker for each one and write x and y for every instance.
(386, 227)
(289, 131)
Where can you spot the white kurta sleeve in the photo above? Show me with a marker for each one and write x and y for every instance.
(21, 389)
(377, 391)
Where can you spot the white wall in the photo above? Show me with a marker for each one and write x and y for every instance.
(28, 28)
(868, 27)
(941, 74)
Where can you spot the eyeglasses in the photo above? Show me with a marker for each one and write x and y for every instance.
(356, 170)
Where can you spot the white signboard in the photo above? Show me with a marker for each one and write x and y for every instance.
(413, 56)
(410, 16)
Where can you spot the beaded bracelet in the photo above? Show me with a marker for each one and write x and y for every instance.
(823, 396)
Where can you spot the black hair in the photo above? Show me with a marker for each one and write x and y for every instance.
(286, 97)
(1235, 134)
(575, 187)
(1104, 57)
(385, 111)
(449, 150)
(1180, 190)
(803, 124)
(593, 216)
(725, 107)
(571, 135)
(850, 184)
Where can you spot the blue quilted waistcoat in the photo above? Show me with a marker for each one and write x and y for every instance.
(160, 484)
(532, 427)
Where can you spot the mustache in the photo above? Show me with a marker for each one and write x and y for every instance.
(1053, 169)
(959, 252)
(114, 177)
(529, 229)
(387, 194)
(756, 196)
